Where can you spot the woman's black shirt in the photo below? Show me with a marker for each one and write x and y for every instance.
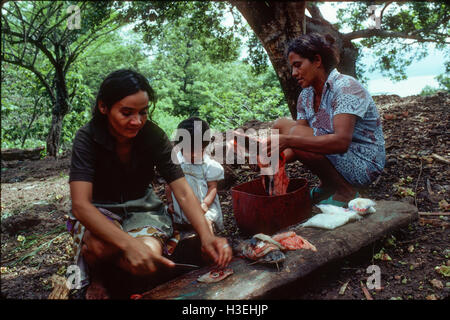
(95, 160)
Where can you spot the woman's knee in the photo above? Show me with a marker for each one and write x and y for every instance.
(154, 243)
(95, 248)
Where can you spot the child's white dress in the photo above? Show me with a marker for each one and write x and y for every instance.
(197, 175)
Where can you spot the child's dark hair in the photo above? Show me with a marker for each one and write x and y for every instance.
(120, 84)
(308, 45)
(193, 129)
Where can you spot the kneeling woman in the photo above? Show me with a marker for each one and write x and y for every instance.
(116, 217)
(338, 133)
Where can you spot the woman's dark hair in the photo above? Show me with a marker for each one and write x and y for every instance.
(308, 45)
(189, 125)
(120, 84)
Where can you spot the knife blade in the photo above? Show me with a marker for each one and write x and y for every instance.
(185, 265)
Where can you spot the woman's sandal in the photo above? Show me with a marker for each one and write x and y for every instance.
(316, 193)
(336, 203)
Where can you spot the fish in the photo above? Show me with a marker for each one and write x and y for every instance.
(277, 183)
(273, 184)
(292, 241)
(215, 275)
(264, 237)
(261, 250)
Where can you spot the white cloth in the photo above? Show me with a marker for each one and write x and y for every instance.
(331, 217)
(197, 175)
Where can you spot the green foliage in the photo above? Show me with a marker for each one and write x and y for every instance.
(36, 37)
(242, 97)
(443, 80)
(257, 56)
(408, 30)
(428, 90)
(23, 109)
(200, 21)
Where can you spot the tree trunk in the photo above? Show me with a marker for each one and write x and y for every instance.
(348, 53)
(60, 109)
(275, 24)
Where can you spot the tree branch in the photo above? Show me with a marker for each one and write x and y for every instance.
(314, 10)
(367, 33)
(36, 72)
(33, 117)
(382, 10)
(84, 44)
(38, 44)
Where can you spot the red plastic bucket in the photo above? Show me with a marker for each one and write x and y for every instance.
(256, 212)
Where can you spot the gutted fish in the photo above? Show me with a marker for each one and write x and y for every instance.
(261, 251)
(275, 180)
(292, 241)
(215, 275)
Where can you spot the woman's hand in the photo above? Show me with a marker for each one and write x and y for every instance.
(215, 247)
(218, 249)
(278, 142)
(142, 257)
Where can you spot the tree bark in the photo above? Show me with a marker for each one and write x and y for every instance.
(275, 23)
(348, 53)
(60, 109)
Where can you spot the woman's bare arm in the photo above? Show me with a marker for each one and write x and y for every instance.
(140, 257)
(337, 142)
(216, 247)
(92, 218)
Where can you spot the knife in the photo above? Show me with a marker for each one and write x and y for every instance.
(185, 265)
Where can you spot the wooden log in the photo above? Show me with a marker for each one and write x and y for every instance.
(21, 154)
(261, 281)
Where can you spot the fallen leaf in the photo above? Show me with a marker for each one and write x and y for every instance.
(389, 116)
(342, 290)
(411, 248)
(444, 270)
(431, 297)
(382, 256)
(366, 292)
(437, 283)
(443, 205)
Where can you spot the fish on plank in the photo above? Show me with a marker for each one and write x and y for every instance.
(215, 275)
(292, 241)
(261, 249)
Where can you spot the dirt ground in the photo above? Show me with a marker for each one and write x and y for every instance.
(414, 261)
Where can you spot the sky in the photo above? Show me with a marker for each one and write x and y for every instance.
(420, 73)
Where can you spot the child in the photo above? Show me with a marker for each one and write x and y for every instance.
(202, 174)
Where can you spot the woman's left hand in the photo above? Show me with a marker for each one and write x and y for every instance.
(218, 249)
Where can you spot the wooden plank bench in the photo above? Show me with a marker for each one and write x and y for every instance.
(256, 281)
